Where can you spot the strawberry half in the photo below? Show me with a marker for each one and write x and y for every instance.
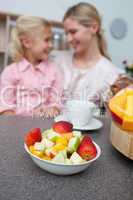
(33, 136)
(62, 127)
(87, 149)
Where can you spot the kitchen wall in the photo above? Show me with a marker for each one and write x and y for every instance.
(54, 9)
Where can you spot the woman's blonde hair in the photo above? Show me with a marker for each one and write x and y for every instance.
(25, 25)
(85, 14)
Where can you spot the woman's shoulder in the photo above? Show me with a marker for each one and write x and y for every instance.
(107, 66)
(109, 71)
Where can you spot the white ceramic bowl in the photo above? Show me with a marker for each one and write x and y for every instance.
(62, 169)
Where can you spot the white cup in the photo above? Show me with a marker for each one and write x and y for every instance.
(79, 113)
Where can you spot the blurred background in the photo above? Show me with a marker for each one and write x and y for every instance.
(117, 18)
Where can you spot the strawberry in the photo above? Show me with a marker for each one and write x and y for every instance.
(33, 136)
(87, 149)
(62, 127)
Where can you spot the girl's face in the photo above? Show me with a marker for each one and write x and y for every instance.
(79, 36)
(39, 46)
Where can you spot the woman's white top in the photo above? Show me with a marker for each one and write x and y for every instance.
(87, 83)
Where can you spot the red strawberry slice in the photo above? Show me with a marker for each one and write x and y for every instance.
(33, 136)
(87, 149)
(62, 127)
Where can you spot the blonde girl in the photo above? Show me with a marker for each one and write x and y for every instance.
(32, 84)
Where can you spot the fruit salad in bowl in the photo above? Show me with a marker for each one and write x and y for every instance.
(60, 149)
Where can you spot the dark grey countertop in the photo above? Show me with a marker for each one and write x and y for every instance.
(109, 178)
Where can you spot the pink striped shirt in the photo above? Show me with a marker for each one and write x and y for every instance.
(23, 87)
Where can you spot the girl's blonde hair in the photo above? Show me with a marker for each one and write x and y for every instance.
(25, 25)
(85, 14)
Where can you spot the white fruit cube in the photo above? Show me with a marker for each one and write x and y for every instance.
(59, 158)
(47, 142)
(76, 159)
(39, 146)
(48, 131)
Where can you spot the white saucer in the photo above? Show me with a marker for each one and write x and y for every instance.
(95, 123)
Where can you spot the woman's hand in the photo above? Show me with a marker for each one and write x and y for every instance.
(38, 111)
(46, 112)
(50, 112)
(9, 112)
(122, 82)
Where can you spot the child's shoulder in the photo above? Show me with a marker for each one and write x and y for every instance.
(11, 68)
(10, 72)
